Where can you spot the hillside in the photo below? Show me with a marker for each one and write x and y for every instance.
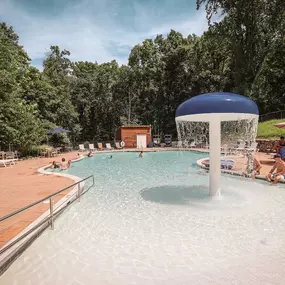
(268, 131)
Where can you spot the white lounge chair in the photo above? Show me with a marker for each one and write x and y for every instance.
(91, 146)
(81, 147)
(108, 146)
(6, 162)
(117, 144)
(241, 147)
(179, 144)
(10, 155)
(253, 146)
(192, 144)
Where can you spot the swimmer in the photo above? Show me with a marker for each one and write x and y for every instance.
(90, 154)
(141, 154)
(111, 156)
(64, 165)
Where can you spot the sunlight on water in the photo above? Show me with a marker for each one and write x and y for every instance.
(151, 221)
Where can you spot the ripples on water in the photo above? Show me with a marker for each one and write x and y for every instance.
(150, 221)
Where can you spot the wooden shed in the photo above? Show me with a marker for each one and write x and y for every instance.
(134, 135)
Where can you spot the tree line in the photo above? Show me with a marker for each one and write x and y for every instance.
(243, 53)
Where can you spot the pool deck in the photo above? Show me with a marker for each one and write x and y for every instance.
(21, 185)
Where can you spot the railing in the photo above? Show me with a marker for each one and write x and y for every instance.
(272, 116)
(52, 214)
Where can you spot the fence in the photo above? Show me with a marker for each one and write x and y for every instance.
(272, 116)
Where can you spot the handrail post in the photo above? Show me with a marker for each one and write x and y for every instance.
(78, 193)
(51, 213)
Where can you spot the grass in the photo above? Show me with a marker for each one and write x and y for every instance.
(268, 131)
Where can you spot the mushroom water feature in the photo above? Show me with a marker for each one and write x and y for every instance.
(221, 113)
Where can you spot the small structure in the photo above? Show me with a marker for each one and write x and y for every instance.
(134, 135)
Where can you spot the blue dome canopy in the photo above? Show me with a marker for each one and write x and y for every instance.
(217, 103)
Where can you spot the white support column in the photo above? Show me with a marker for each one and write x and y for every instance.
(215, 157)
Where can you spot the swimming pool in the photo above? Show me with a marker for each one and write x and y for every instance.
(150, 221)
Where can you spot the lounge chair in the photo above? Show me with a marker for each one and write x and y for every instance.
(91, 146)
(253, 146)
(2, 154)
(117, 144)
(100, 146)
(225, 148)
(168, 140)
(81, 147)
(227, 164)
(241, 147)
(6, 162)
(54, 152)
(192, 144)
(108, 146)
(10, 155)
(179, 144)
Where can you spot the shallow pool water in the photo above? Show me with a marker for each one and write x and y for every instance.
(150, 221)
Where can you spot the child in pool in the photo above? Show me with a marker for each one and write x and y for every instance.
(64, 165)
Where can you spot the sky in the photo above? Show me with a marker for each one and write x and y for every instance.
(97, 30)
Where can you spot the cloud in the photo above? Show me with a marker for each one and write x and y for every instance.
(97, 30)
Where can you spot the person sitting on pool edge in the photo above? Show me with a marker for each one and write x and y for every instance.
(279, 166)
(253, 166)
(280, 147)
(141, 154)
(55, 165)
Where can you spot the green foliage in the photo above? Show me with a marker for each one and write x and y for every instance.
(34, 150)
(243, 53)
(268, 131)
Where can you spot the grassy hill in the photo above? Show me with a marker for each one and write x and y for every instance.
(268, 131)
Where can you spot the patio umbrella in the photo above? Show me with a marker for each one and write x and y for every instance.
(57, 131)
(280, 125)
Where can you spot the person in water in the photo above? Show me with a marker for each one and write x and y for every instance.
(279, 166)
(64, 165)
(111, 156)
(54, 165)
(90, 154)
(253, 166)
(141, 154)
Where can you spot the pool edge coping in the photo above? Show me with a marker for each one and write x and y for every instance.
(231, 172)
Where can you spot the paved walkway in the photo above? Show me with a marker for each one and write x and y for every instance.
(21, 185)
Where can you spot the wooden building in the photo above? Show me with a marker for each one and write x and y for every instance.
(134, 135)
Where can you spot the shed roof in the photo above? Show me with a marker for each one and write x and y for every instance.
(136, 126)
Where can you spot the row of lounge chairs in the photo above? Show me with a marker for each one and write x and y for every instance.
(99, 147)
(241, 147)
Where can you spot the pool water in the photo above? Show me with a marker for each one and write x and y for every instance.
(151, 221)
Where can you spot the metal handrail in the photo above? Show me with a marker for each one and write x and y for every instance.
(42, 200)
(50, 218)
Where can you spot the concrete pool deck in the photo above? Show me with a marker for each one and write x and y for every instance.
(22, 184)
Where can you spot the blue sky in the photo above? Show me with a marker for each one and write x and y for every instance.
(97, 30)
